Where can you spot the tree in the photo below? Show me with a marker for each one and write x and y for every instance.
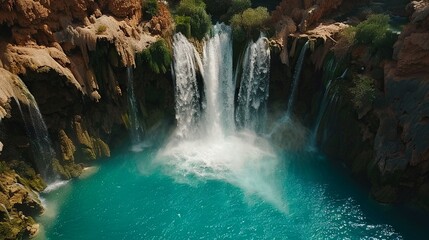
(249, 22)
(200, 21)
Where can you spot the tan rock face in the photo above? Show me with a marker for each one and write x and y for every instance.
(124, 8)
(291, 16)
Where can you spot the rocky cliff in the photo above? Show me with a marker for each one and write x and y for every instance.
(68, 60)
(383, 143)
(402, 142)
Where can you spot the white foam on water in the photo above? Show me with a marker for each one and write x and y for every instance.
(55, 186)
(243, 160)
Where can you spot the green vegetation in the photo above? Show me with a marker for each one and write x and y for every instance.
(373, 31)
(150, 7)
(158, 56)
(183, 25)
(363, 92)
(249, 22)
(101, 29)
(199, 20)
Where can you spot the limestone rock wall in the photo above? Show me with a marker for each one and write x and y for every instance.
(71, 57)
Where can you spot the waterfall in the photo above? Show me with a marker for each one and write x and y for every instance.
(38, 133)
(135, 125)
(323, 106)
(207, 145)
(296, 78)
(254, 87)
(188, 107)
(219, 82)
(329, 101)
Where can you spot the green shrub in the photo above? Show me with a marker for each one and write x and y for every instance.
(101, 29)
(363, 92)
(158, 56)
(249, 21)
(183, 25)
(374, 31)
(200, 21)
(150, 7)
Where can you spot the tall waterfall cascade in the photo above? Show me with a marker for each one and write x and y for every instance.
(188, 106)
(296, 78)
(254, 87)
(135, 124)
(218, 81)
(207, 145)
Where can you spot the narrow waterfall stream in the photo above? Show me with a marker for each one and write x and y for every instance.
(254, 87)
(135, 124)
(35, 127)
(329, 101)
(295, 80)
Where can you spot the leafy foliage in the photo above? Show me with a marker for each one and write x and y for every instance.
(373, 30)
(200, 21)
(249, 21)
(183, 25)
(150, 7)
(158, 56)
(363, 92)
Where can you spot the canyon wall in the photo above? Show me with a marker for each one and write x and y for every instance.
(383, 144)
(68, 60)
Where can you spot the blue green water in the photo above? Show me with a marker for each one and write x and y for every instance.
(128, 199)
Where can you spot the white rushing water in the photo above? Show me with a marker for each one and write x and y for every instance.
(295, 80)
(206, 145)
(218, 81)
(188, 107)
(254, 87)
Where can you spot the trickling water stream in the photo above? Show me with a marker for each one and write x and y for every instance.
(295, 80)
(35, 126)
(135, 125)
